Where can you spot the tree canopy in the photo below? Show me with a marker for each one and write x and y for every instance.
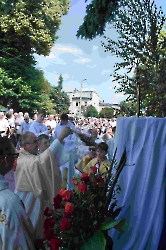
(98, 14)
(91, 112)
(141, 46)
(31, 26)
(27, 27)
(59, 98)
(106, 113)
(127, 108)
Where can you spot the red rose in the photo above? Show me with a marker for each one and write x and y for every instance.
(69, 208)
(49, 222)
(66, 194)
(65, 224)
(93, 169)
(48, 234)
(74, 181)
(55, 243)
(47, 212)
(85, 177)
(62, 191)
(82, 187)
(57, 200)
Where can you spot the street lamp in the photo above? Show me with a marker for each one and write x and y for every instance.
(81, 95)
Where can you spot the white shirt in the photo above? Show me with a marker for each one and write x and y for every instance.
(70, 140)
(51, 123)
(3, 124)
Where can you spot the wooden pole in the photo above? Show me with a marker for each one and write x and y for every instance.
(138, 88)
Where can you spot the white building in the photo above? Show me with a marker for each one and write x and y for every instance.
(82, 99)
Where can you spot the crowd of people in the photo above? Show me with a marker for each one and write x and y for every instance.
(35, 155)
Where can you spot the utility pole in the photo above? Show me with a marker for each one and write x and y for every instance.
(81, 96)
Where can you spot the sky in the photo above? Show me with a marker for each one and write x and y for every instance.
(77, 59)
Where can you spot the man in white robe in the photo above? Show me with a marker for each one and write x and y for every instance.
(16, 230)
(70, 141)
(38, 178)
(70, 144)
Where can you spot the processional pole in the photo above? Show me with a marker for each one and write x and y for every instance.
(81, 97)
(138, 88)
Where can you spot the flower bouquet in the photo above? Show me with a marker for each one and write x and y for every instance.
(82, 216)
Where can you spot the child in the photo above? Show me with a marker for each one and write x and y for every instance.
(101, 162)
(43, 142)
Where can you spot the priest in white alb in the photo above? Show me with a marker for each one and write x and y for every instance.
(38, 177)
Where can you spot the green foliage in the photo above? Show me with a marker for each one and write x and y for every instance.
(60, 82)
(111, 223)
(91, 112)
(16, 93)
(128, 108)
(33, 23)
(59, 98)
(98, 13)
(27, 27)
(106, 113)
(141, 45)
(97, 242)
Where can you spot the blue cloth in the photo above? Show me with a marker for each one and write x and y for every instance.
(10, 178)
(110, 144)
(25, 126)
(38, 128)
(16, 230)
(60, 154)
(143, 185)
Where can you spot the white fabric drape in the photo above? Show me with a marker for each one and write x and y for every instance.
(143, 185)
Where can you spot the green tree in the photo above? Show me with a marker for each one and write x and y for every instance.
(45, 100)
(18, 93)
(26, 27)
(106, 113)
(31, 26)
(60, 83)
(98, 14)
(91, 112)
(128, 108)
(60, 100)
(141, 47)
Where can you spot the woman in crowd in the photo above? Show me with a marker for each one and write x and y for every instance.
(16, 230)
